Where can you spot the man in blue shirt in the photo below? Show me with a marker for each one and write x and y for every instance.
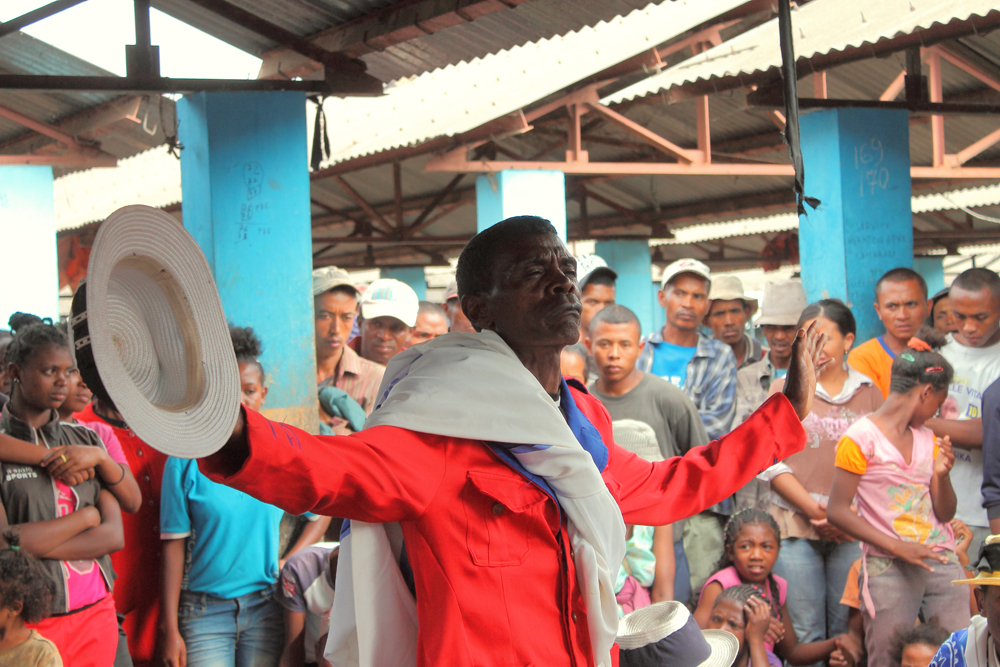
(705, 369)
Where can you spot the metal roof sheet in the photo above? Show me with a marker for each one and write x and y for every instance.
(461, 97)
(819, 27)
(152, 178)
(23, 54)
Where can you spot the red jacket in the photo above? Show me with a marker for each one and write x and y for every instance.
(137, 589)
(495, 585)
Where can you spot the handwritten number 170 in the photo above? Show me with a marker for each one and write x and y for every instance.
(868, 159)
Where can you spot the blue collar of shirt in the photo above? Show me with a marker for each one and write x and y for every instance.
(881, 341)
(586, 434)
(706, 346)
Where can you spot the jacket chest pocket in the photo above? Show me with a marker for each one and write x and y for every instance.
(501, 513)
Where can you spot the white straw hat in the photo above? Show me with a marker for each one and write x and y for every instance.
(149, 334)
(666, 633)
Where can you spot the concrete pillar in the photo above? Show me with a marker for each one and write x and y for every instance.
(412, 276)
(932, 269)
(857, 164)
(245, 182)
(511, 192)
(631, 261)
(29, 269)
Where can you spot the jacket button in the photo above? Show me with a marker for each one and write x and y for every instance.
(139, 453)
(498, 509)
(573, 616)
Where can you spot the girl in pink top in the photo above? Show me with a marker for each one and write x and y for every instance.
(891, 466)
(752, 543)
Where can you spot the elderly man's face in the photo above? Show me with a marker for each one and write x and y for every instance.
(988, 599)
(535, 300)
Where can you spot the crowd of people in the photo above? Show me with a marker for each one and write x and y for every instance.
(844, 553)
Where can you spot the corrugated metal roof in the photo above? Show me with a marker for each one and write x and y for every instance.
(988, 195)
(152, 178)
(819, 27)
(458, 98)
(492, 33)
(23, 54)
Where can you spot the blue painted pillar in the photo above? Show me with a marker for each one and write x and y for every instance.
(412, 276)
(245, 183)
(631, 261)
(857, 164)
(29, 269)
(932, 269)
(511, 192)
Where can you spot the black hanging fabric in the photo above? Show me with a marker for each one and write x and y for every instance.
(790, 88)
(321, 140)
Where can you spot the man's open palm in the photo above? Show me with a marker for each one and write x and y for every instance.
(804, 368)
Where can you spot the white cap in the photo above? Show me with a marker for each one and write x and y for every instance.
(588, 265)
(686, 265)
(388, 297)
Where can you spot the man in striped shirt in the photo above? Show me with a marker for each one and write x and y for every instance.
(335, 300)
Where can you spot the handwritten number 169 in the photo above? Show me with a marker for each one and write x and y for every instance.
(868, 159)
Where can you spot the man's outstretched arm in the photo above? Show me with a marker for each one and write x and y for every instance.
(378, 475)
(658, 493)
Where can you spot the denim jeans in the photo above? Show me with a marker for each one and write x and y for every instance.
(901, 590)
(247, 631)
(682, 574)
(816, 571)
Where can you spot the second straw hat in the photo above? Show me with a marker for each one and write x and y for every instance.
(150, 336)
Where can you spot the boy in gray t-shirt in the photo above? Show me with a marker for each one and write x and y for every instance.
(306, 593)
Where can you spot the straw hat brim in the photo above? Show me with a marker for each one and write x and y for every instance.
(725, 648)
(154, 334)
(982, 579)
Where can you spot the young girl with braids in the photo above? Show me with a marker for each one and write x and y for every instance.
(897, 473)
(752, 543)
(71, 531)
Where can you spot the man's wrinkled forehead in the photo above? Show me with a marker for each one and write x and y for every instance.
(527, 251)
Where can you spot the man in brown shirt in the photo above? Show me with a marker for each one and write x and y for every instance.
(335, 300)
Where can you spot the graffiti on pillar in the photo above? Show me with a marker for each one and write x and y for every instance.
(253, 176)
(872, 174)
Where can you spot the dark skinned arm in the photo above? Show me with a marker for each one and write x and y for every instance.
(942, 494)
(838, 512)
(795, 653)
(964, 433)
(294, 654)
(171, 643)
(13, 450)
(102, 540)
(117, 478)
(663, 550)
(40, 537)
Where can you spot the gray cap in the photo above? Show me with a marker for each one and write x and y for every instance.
(328, 277)
(784, 302)
(637, 437)
(588, 266)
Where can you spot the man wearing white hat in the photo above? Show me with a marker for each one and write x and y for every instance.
(503, 479)
(703, 367)
(729, 311)
(597, 288)
(388, 314)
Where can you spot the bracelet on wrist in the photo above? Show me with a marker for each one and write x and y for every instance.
(120, 478)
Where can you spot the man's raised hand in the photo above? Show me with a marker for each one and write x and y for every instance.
(804, 368)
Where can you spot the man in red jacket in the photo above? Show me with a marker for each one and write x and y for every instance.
(494, 555)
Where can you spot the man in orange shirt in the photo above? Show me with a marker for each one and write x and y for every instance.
(902, 305)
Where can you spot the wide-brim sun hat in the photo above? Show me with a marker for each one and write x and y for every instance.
(150, 336)
(666, 633)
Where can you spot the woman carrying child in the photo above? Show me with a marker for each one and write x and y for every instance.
(890, 464)
(70, 530)
(815, 556)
